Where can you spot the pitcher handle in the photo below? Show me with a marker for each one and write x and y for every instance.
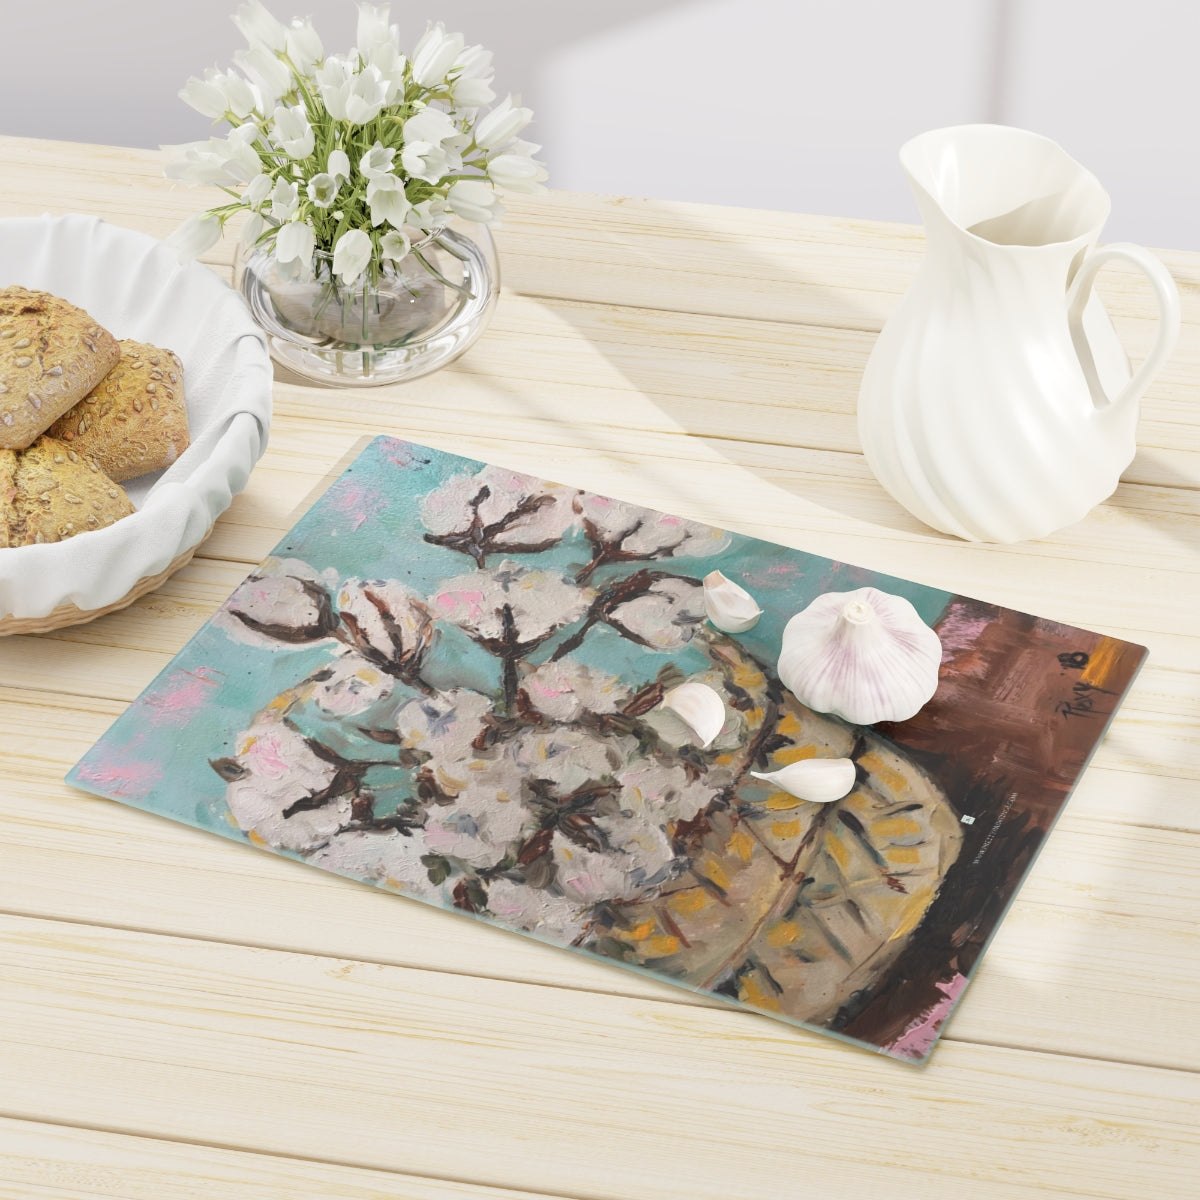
(1165, 292)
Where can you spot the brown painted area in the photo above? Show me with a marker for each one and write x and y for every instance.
(1021, 705)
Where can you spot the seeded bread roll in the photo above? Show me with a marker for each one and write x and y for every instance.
(51, 355)
(134, 420)
(54, 494)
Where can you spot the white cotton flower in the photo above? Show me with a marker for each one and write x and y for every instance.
(258, 190)
(367, 95)
(377, 161)
(435, 54)
(292, 132)
(388, 857)
(474, 200)
(536, 911)
(665, 616)
(196, 235)
(565, 690)
(472, 78)
(252, 229)
(351, 255)
(505, 121)
(304, 46)
(387, 201)
(338, 165)
(271, 76)
(516, 173)
(259, 27)
(322, 189)
(294, 242)
(395, 245)
(284, 198)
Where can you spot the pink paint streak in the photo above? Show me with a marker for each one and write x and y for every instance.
(119, 777)
(917, 1040)
(398, 453)
(185, 693)
(357, 502)
(959, 629)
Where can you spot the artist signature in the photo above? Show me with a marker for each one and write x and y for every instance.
(1084, 697)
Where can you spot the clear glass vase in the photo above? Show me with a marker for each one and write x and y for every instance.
(418, 315)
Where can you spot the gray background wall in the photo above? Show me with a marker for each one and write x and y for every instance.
(791, 104)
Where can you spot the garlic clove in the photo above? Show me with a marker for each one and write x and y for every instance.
(865, 656)
(817, 780)
(699, 707)
(729, 606)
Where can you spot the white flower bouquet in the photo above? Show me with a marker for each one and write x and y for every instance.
(351, 161)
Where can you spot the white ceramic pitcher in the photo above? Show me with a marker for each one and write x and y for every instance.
(998, 404)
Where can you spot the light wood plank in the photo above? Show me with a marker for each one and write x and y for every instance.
(433, 1074)
(1085, 908)
(60, 1162)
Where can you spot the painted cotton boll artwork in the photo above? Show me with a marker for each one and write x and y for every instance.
(464, 685)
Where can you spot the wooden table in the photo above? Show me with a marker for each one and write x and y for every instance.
(183, 1017)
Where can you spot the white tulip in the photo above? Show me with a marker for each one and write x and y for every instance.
(436, 53)
(258, 191)
(472, 83)
(284, 199)
(395, 245)
(430, 125)
(373, 30)
(292, 132)
(505, 121)
(367, 95)
(259, 27)
(339, 164)
(241, 158)
(334, 79)
(387, 201)
(322, 189)
(252, 229)
(429, 214)
(204, 96)
(271, 76)
(377, 161)
(474, 200)
(217, 160)
(389, 62)
(304, 46)
(295, 240)
(515, 173)
(351, 255)
(424, 160)
(196, 235)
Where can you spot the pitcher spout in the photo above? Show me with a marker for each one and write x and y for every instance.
(1007, 187)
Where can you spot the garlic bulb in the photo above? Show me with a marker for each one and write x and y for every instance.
(817, 780)
(865, 656)
(699, 707)
(729, 606)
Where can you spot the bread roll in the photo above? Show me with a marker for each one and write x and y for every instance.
(50, 492)
(51, 355)
(134, 420)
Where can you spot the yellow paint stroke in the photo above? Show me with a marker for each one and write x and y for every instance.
(690, 901)
(724, 760)
(663, 945)
(917, 905)
(785, 829)
(782, 801)
(789, 725)
(741, 843)
(890, 778)
(644, 930)
(891, 827)
(753, 993)
(794, 754)
(257, 839)
(1101, 662)
(837, 850)
(903, 855)
(783, 934)
(747, 675)
(714, 871)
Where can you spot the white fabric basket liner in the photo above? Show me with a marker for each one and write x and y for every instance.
(137, 287)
